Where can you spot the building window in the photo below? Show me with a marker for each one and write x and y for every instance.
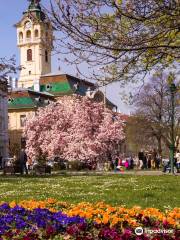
(29, 55)
(22, 120)
(29, 72)
(28, 35)
(46, 56)
(20, 37)
(36, 33)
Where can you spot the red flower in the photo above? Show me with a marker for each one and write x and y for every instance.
(49, 230)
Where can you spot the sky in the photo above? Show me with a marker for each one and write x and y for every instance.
(10, 13)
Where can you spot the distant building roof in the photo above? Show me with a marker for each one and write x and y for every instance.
(55, 85)
(60, 84)
(53, 74)
(26, 98)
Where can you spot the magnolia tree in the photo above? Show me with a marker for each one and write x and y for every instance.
(74, 128)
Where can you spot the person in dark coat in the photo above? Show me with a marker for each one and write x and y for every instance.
(116, 164)
(145, 161)
(1, 162)
(131, 163)
(23, 161)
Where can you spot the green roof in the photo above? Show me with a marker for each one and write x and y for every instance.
(21, 102)
(56, 88)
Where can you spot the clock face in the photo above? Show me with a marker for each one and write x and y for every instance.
(28, 25)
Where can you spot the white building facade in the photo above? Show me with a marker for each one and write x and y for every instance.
(34, 38)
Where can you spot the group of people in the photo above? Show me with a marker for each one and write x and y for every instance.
(119, 164)
(149, 159)
(153, 160)
(144, 160)
(167, 165)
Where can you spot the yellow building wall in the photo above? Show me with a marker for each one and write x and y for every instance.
(15, 128)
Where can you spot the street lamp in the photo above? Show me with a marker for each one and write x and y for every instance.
(172, 145)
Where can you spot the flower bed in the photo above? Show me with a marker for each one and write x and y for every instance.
(34, 220)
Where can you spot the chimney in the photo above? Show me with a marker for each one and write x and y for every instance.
(36, 85)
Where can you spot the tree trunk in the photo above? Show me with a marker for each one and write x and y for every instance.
(159, 140)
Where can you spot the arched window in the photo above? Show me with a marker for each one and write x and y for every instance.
(36, 33)
(46, 56)
(29, 55)
(28, 34)
(20, 37)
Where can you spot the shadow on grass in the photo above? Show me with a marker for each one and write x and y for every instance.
(60, 173)
(69, 174)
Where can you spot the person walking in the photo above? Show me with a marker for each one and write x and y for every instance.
(1, 162)
(158, 161)
(177, 156)
(23, 161)
(149, 157)
(115, 163)
(131, 163)
(144, 161)
(141, 158)
(154, 159)
(126, 164)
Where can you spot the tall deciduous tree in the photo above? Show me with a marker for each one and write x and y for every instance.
(122, 38)
(139, 134)
(153, 106)
(74, 128)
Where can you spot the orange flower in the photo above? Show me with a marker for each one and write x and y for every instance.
(105, 219)
(101, 212)
(12, 204)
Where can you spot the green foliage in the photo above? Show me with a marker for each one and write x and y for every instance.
(136, 36)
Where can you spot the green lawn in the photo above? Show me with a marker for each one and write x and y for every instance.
(129, 190)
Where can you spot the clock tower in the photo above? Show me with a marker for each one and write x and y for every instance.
(34, 39)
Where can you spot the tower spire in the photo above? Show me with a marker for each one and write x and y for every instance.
(34, 4)
(35, 8)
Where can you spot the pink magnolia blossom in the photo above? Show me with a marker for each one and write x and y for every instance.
(74, 128)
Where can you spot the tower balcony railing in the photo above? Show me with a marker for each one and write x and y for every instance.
(34, 39)
(28, 40)
(20, 41)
